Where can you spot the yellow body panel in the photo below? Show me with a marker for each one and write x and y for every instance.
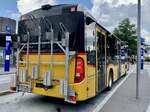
(115, 74)
(91, 81)
(84, 89)
(58, 70)
(124, 68)
(80, 89)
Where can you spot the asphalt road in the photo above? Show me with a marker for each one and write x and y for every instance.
(18, 102)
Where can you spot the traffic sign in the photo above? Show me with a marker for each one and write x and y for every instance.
(7, 53)
(142, 58)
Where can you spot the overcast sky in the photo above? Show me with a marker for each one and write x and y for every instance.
(108, 12)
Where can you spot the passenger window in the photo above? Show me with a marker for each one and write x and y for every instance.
(90, 43)
(112, 54)
(90, 37)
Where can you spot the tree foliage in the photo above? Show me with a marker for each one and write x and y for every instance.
(127, 32)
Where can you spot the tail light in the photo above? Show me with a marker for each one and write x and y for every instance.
(73, 9)
(70, 9)
(79, 71)
(73, 99)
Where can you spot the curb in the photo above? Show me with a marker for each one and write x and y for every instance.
(5, 92)
(7, 73)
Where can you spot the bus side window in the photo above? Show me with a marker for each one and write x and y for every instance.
(108, 59)
(112, 50)
(90, 42)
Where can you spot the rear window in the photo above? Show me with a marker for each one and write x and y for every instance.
(74, 23)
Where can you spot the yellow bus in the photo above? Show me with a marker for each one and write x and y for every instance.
(64, 52)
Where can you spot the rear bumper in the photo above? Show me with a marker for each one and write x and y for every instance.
(79, 88)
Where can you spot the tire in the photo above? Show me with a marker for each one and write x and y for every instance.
(110, 83)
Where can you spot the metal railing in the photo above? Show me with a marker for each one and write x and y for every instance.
(63, 46)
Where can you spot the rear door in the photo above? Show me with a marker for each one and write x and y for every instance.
(101, 59)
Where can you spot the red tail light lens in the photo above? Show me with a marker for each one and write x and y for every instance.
(73, 9)
(79, 75)
(70, 9)
(72, 98)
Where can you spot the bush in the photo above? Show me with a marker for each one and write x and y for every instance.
(147, 59)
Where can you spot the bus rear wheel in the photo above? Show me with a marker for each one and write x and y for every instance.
(110, 82)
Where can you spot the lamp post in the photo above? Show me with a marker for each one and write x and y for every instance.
(138, 48)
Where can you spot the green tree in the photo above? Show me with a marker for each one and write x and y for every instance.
(127, 32)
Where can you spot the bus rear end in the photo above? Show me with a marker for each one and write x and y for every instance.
(51, 59)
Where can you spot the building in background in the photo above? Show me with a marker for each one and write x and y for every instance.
(7, 25)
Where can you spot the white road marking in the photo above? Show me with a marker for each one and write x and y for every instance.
(148, 109)
(100, 106)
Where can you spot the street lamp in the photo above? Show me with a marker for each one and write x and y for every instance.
(138, 47)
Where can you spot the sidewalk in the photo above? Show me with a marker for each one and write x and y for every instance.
(12, 70)
(5, 80)
(124, 99)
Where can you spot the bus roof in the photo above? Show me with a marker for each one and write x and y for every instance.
(49, 10)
